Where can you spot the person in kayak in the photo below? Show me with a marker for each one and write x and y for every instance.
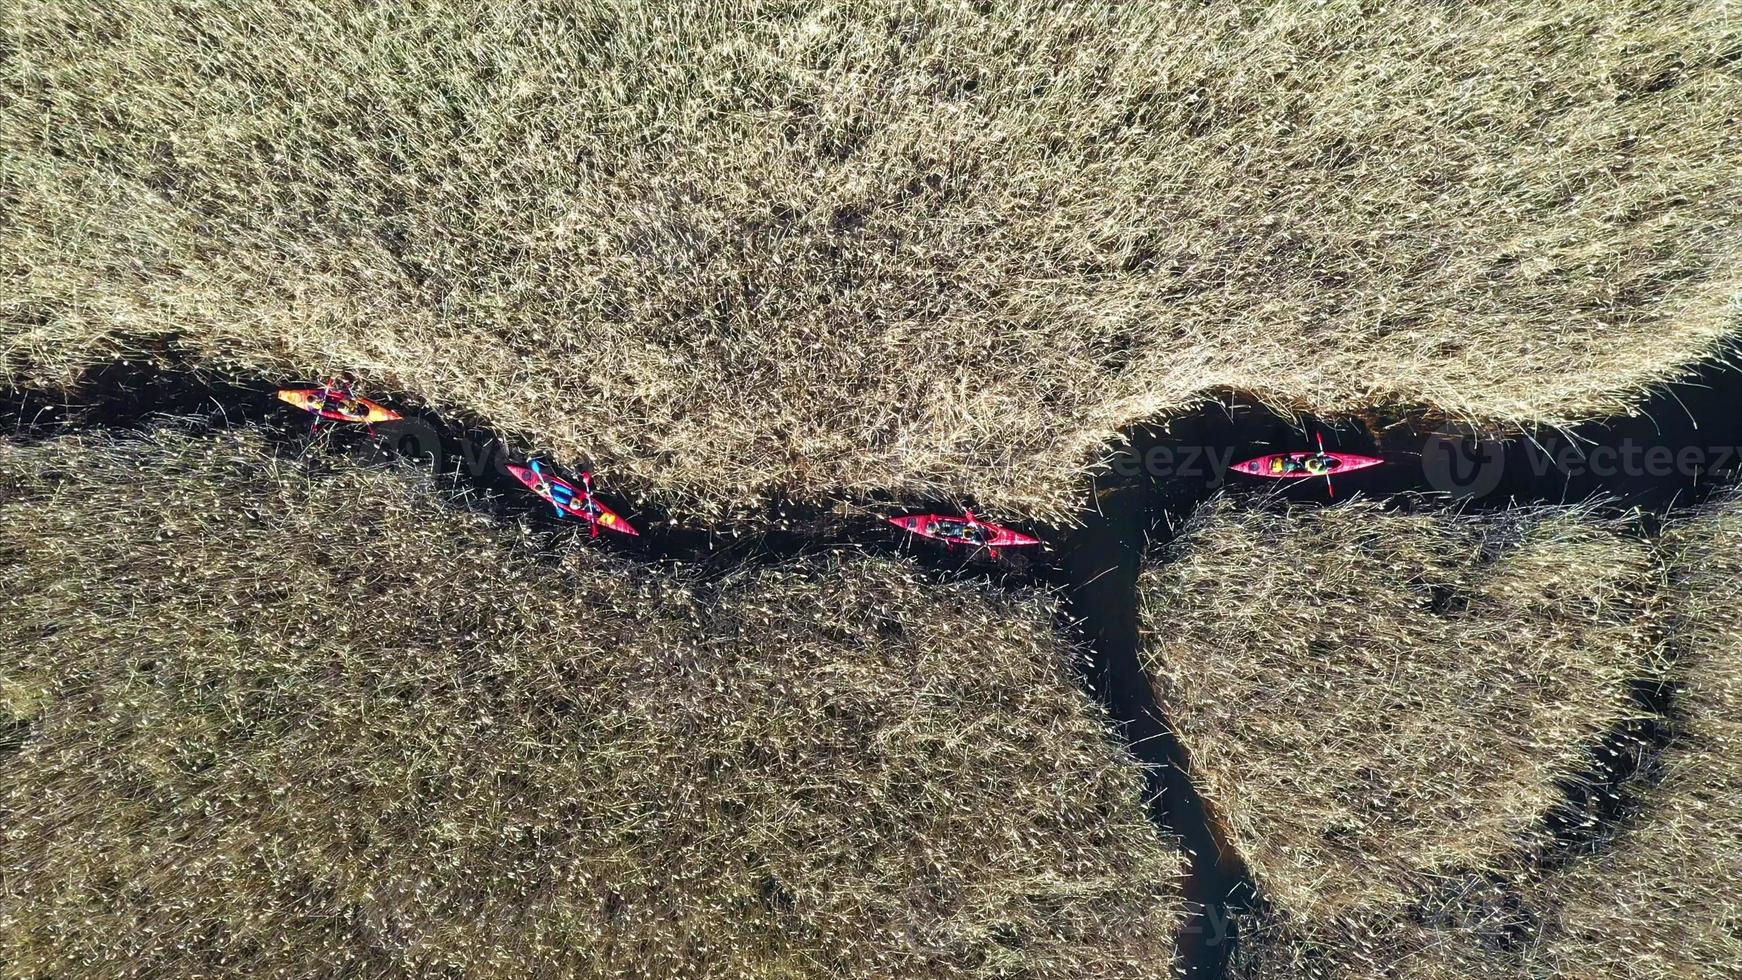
(590, 507)
(336, 396)
(964, 532)
(1316, 464)
(565, 497)
(547, 488)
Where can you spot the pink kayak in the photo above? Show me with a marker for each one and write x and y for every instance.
(968, 530)
(1294, 466)
(572, 500)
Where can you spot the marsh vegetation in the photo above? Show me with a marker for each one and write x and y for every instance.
(1410, 722)
(734, 248)
(265, 709)
(273, 716)
(1381, 699)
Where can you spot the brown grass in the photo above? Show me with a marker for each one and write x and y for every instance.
(273, 722)
(732, 247)
(1380, 702)
(1658, 901)
(1665, 902)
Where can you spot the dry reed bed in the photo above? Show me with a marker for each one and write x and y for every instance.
(270, 721)
(735, 247)
(1664, 902)
(1379, 701)
(1656, 899)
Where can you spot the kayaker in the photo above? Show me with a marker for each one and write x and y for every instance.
(541, 484)
(1317, 464)
(339, 398)
(970, 533)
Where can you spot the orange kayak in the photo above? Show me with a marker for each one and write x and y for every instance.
(337, 405)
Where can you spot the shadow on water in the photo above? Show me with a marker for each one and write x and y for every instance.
(1681, 447)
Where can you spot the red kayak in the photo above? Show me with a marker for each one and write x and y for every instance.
(572, 500)
(338, 403)
(968, 530)
(1295, 466)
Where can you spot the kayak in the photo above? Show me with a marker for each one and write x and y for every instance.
(969, 530)
(1295, 466)
(337, 405)
(572, 500)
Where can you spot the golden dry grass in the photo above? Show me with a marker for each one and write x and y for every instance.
(273, 722)
(1665, 901)
(728, 248)
(1660, 900)
(1381, 701)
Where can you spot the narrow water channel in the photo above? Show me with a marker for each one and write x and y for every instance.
(1099, 566)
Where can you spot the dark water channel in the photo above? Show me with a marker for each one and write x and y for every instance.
(1678, 450)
